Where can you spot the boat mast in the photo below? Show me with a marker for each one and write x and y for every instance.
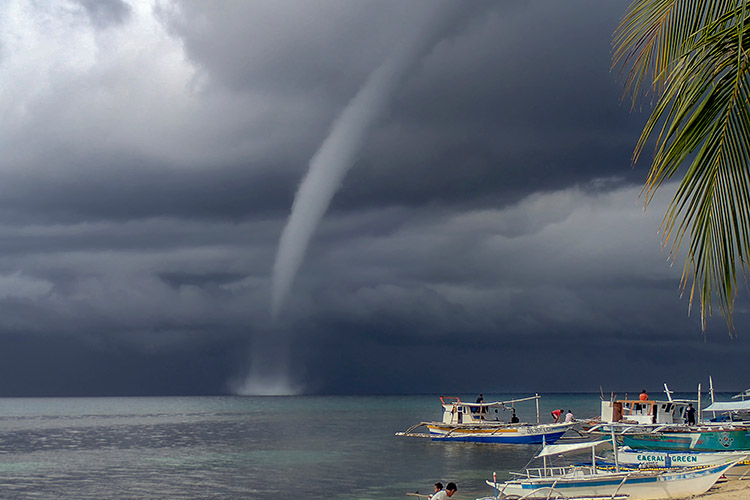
(538, 421)
(668, 392)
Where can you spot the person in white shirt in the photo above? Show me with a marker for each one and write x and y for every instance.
(569, 417)
(438, 488)
(449, 491)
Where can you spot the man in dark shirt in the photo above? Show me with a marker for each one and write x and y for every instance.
(690, 414)
(479, 409)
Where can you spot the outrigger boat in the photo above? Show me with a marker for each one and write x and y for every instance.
(659, 459)
(696, 438)
(481, 423)
(627, 414)
(732, 411)
(659, 425)
(592, 482)
(729, 411)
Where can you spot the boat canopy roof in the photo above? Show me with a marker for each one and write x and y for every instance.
(557, 449)
(657, 401)
(451, 400)
(729, 406)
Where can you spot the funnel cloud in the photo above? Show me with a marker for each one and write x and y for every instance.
(338, 151)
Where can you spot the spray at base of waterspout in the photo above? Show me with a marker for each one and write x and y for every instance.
(266, 385)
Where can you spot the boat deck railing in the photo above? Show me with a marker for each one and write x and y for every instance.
(556, 472)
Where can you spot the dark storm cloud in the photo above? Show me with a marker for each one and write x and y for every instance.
(481, 120)
(507, 116)
(55, 365)
(326, 48)
(150, 156)
(135, 188)
(552, 360)
(486, 104)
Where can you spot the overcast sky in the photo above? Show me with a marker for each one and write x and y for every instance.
(489, 236)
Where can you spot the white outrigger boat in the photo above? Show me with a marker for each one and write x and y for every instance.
(591, 482)
(660, 426)
(662, 459)
(632, 414)
(481, 423)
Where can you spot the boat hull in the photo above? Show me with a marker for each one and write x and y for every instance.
(503, 433)
(681, 459)
(708, 440)
(636, 485)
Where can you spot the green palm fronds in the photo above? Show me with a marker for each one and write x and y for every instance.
(693, 54)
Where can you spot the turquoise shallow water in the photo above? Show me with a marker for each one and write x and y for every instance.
(308, 447)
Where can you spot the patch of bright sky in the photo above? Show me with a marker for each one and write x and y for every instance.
(105, 88)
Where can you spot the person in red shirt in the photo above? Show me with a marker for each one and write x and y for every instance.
(556, 415)
(643, 396)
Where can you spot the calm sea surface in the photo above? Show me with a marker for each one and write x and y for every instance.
(306, 447)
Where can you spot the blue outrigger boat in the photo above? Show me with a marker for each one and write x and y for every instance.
(485, 423)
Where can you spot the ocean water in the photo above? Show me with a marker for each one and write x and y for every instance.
(303, 447)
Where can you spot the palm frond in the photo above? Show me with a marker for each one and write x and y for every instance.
(653, 35)
(699, 66)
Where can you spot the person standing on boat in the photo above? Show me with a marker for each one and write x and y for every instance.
(690, 414)
(569, 417)
(514, 417)
(480, 409)
(557, 414)
(643, 396)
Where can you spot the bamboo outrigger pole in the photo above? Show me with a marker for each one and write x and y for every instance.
(614, 447)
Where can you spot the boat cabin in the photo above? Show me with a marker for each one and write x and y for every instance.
(456, 411)
(644, 412)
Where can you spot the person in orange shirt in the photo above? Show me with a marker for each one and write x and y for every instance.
(643, 396)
